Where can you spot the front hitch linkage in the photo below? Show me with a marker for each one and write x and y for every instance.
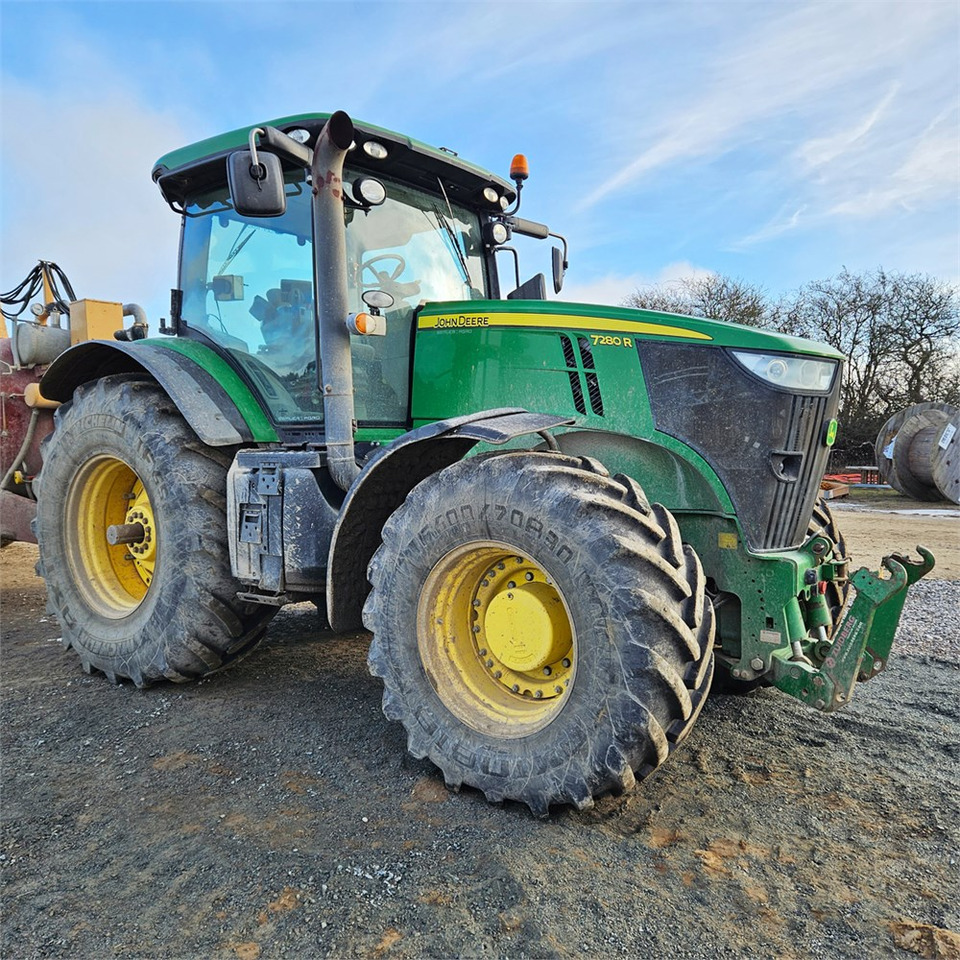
(862, 640)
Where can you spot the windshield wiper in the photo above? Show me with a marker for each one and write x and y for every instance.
(238, 245)
(451, 233)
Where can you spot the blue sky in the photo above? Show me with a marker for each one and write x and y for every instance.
(773, 141)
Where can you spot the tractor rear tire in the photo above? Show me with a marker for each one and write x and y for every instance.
(164, 606)
(541, 632)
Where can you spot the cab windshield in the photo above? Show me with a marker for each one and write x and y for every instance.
(248, 285)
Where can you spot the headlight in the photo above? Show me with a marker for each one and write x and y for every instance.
(790, 371)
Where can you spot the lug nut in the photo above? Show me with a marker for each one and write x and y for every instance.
(515, 688)
(547, 671)
(528, 575)
(537, 694)
(558, 689)
(512, 585)
(565, 662)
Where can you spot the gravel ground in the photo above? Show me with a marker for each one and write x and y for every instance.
(930, 623)
(271, 811)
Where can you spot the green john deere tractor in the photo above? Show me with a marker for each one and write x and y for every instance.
(557, 520)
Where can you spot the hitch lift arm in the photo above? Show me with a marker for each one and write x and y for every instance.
(862, 640)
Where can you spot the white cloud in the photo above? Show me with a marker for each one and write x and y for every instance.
(807, 64)
(613, 289)
(783, 222)
(823, 150)
(77, 189)
(931, 169)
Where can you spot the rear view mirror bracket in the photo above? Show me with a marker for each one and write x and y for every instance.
(256, 181)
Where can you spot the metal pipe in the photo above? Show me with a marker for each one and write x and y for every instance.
(335, 372)
(22, 452)
(136, 311)
(125, 533)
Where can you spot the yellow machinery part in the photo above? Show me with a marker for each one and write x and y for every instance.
(496, 639)
(114, 578)
(94, 320)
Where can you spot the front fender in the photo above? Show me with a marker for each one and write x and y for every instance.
(213, 399)
(384, 483)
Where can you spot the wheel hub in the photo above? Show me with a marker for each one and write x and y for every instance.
(520, 624)
(496, 639)
(114, 577)
(144, 551)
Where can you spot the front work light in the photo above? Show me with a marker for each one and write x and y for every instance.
(375, 150)
(369, 192)
(496, 233)
(790, 371)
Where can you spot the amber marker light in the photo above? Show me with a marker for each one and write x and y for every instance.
(519, 168)
(366, 324)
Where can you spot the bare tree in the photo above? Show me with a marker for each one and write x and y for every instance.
(715, 297)
(899, 333)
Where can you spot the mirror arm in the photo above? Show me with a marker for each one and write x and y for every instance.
(286, 147)
(528, 228)
(563, 240)
(516, 260)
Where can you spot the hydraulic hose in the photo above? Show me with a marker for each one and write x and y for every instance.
(22, 452)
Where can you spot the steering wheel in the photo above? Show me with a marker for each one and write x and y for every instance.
(379, 278)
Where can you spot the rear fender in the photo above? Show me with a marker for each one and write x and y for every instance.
(212, 406)
(384, 483)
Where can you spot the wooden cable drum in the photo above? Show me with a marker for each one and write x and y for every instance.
(918, 452)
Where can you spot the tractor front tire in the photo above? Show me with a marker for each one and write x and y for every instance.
(163, 605)
(541, 632)
(823, 522)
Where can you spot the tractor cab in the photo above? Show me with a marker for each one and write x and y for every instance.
(420, 226)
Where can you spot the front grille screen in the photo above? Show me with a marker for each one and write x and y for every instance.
(765, 444)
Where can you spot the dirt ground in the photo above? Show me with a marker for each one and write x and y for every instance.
(271, 811)
(872, 531)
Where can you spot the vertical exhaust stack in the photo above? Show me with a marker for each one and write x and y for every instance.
(330, 268)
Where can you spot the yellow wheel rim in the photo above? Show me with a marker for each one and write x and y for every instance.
(496, 639)
(113, 579)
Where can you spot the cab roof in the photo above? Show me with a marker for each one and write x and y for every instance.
(194, 169)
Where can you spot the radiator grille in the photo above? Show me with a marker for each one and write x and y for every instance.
(792, 502)
(765, 444)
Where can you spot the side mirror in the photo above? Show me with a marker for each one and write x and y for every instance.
(256, 184)
(559, 269)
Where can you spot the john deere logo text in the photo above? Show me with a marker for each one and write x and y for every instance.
(463, 321)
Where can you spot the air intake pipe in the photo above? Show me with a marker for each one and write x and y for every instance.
(335, 374)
